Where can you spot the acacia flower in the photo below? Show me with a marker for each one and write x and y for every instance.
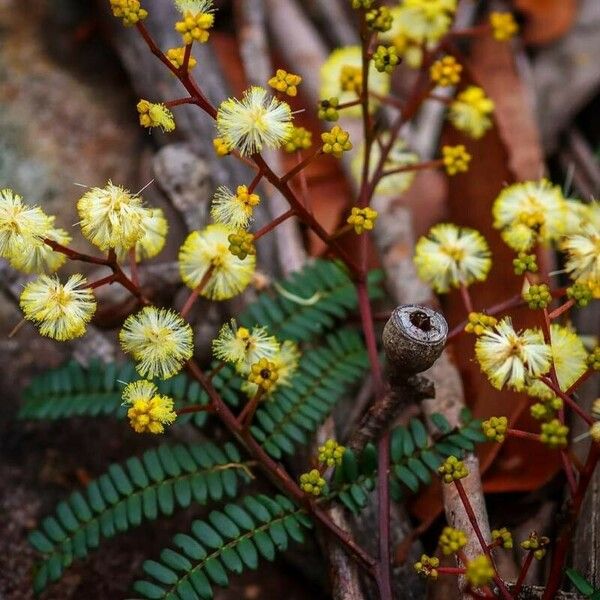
(445, 71)
(284, 82)
(470, 112)
(129, 11)
(20, 224)
(456, 159)
(285, 363)
(362, 219)
(35, 256)
(530, 211)
(209, 249)
(452, 540)
(155, 114)
(568, 355)
(331, 453)
(312, 482)
(234, 209)
(503, 25)
(264, 374)
(160, 340)
(336, 141)
(198, 18)
(111, 217)
(255, 121)
(149, 411)
(61, 311)
(510, 358)
(176, 57)
(480, 571)
(153, 239)
(449, 256)
(243, 347)
(331, 78)
(194, 7)
(300, 139)
(222, 148)
(583, 257)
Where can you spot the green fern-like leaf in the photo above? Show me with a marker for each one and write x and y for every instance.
(129, 493)
(228, 541)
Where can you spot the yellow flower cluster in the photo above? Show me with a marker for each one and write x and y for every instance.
(554, 434)
(503, 26)
(177, 55)
(312, 482)
(379, 19)
(155, 115)
(504, 537)
(129, 11)
(351, 79)
(478, 323)
(195, 27)
(456, 159)
(547, 407)
(452, 540)
(300, 139)
(385, 59)
(480, 571)
(453, 469)
(286, 83)
(264, 374)
(495, 428)
(241, 244)
(470, 112)
(445, 71)
(593, 359)
(362, 219)
(336, 142)
(222, 148)
(537, 296)
(537, 544)
(525, 263)
(235, 210)
(148, 411)
(331, 453)
(427, 566)
(327, 109)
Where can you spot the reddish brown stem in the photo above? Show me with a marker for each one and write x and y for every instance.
(195, 408)
(74, 255)
(197, 291)
(567, 399)
(301, 165)
(525, 435)
(247, 414)
(255, 181)
(100, 282)
(522, 574)
(561, 309)
(466, 298)
(451, 570)
(180, 101)
(270, 226)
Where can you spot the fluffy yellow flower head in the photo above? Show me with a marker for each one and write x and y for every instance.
(331, 78)
(449, 256)
(234, 209)
(61, 311)
(149, 411)
(35, 256)
(528, 212)
(568, 354)
(480, 571)
(111, 217)
(255, 121)
(159, 340)
(20, 225)
(194, 7)
(583, 257)
(155, 114)
(209, 249)
(153, 240)
(244, 347)
(399, 156)
(470, 112)
(510, 358)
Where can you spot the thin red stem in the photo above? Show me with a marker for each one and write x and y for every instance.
(245, 417)
(100, 282)
(525, 435)
(466, 298)
(301, 165)
(522, 574)
(195, 408)
(567, 399)
(270, 226)
(255, 181)
(451, 570)
(197, 291)
(561, 309)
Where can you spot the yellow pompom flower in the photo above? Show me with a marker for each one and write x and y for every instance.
(503, 26)
(529, 212)
(234, 209)
(153, 239)
(362, 219)
(286, 83)
(198, 18)
(510, 358)
(244, 347)
(583, 257)
(35, 256)
(111, 217)
(149, 412)
(450, 256)
(336, 141)
(568, 355)
(399, 156)
(155, 115)
(470, 112)
(222, 148)
(20, 225)
(351, 79)
(160, 340)
(445, 71)
(176, 57)
(129, 11)
(61, 311)
(300, 139)
(456, 159)
(209, 249)
(255, 121)
(331, 78)
(194, 7)
(480, 571)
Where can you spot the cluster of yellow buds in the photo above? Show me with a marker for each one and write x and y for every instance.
(525, 263)
(312, 482)
(358, 4)
(479, 323)
(176, 57)
(300, 139)
(155, 115)
(284, 82)
(456, 159)
(581, 293)
(379, 19)
(593, 359)
(246, 197)
(351, 79)
(503, 25)
(222, 148)
(537, 544)
(453, 469)
(195, 27)
(130, 11)
(537, 296)
(495, 428)
(241, 244)
(554, 434)
(362, 219)
(546, 408)
(452, 540)
(480, 571)
(445, 71)
(427, 566)
(503, 537)
(327, 109)
(331, 453)
(336, 142)
(264, 374)
(386, 58)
